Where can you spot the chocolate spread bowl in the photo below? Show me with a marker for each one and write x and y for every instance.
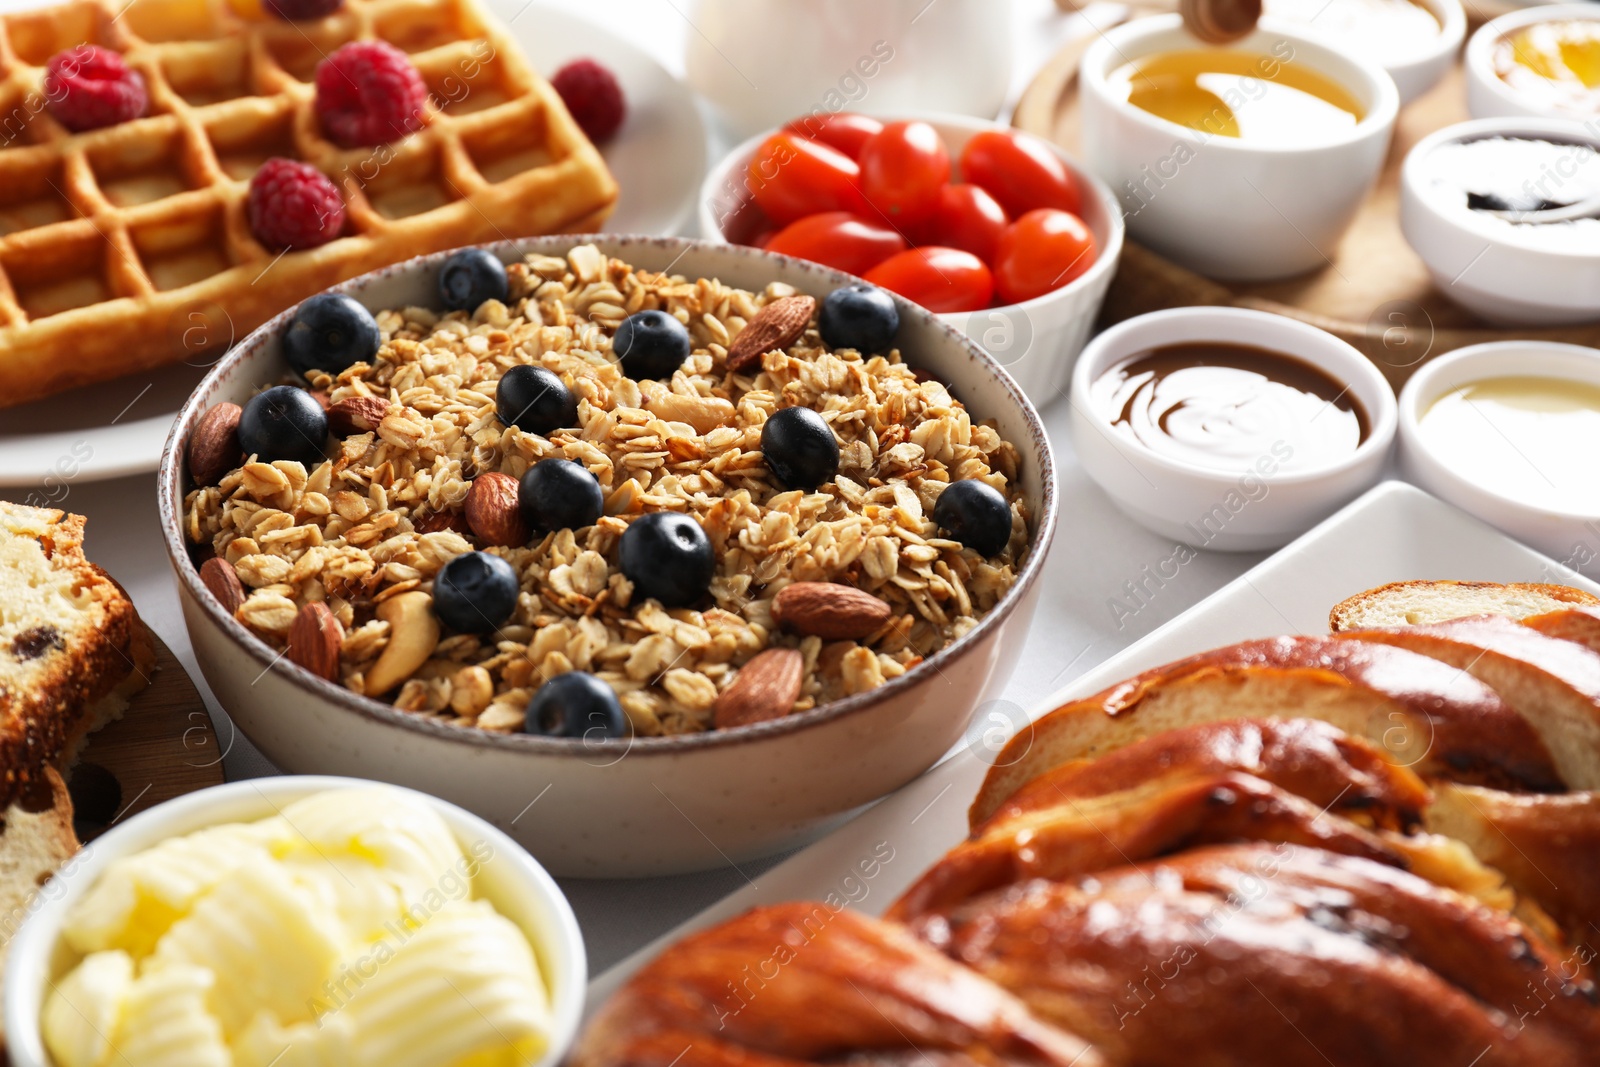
(645, 805)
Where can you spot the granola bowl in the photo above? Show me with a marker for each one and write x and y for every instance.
(749, 718)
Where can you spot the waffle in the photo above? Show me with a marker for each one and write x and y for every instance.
(127, 247)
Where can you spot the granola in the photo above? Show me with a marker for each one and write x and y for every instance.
(385, 512)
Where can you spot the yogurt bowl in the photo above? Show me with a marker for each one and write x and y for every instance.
(1258, 498)
(500, 872)
(1506, 273)
(1229, 207)
(1504, 473)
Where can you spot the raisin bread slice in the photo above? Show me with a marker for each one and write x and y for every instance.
(72, 648)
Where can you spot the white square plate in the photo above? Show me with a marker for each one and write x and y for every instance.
(1393, 533)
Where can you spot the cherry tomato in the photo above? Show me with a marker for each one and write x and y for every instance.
(1041, 251)
(969, 219)
(845, 130)
(839, 240)
(902, 170)
(1021, 172)
(940, 279)
(791, 177)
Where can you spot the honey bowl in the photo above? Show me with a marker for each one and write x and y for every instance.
(1543, 61)
(1243, 163)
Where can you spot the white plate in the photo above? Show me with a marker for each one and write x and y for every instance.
(1394, 532)
(659, 159)
(659, 155)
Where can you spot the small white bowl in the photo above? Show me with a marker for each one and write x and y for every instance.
(1559, 534)
(1194, 504)
(1477, 261)
(1228, 208)
(1488, 96)
(510, 879)
(1037, 340)
(1416, 73)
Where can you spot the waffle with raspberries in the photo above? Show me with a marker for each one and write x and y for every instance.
(134, 231)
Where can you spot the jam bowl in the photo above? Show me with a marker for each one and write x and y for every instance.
(1265, 478)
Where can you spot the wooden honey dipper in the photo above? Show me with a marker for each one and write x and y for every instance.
(1219, 21)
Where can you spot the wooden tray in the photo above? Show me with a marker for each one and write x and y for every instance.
(1376, 294)
(163, 747)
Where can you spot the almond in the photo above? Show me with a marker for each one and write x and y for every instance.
(492, 511)
(315, 638)
(214, 444)
(218, 575)
(776, 326)
(356, 414)
(442, 520)
(765, 688)
(830, 611)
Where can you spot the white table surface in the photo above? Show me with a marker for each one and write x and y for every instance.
(1097, 550)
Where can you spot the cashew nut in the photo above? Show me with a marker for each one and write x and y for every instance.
(413, 635)
(704, 413)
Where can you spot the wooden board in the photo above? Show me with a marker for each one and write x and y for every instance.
(1376, 294)
(163, 747)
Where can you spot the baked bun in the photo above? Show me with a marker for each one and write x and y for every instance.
(1419, 602)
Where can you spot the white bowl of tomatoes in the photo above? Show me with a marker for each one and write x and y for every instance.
(1000, 233)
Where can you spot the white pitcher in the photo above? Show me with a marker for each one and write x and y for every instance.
(764, 62)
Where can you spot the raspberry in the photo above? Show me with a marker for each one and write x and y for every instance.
(368, 93)
(592, 94)
(293, 205)
(88, 87)
(300, 10)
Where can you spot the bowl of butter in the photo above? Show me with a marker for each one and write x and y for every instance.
(297, 920)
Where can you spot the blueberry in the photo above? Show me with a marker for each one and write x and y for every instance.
(667, 557)
(651, 344)
(535, 400)
(284, 423)
(575, 704)
(859, 316)
(800, 449)
(558, 494)
(330, 332)
(976, 514)
(470, 277)
(475, 593)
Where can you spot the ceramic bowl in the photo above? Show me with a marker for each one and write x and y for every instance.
(1258, 506)
(1570, 536)
(1485, 264)
(1035, 341)
(1414, 71)
(1228, 208)
(517, 886)
(655, 805)
(1488, 96)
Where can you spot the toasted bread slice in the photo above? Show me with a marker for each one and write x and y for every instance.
(1547, 846)
(1418, 602)
(1553, 684)
(1437, 720)
(72, 648)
